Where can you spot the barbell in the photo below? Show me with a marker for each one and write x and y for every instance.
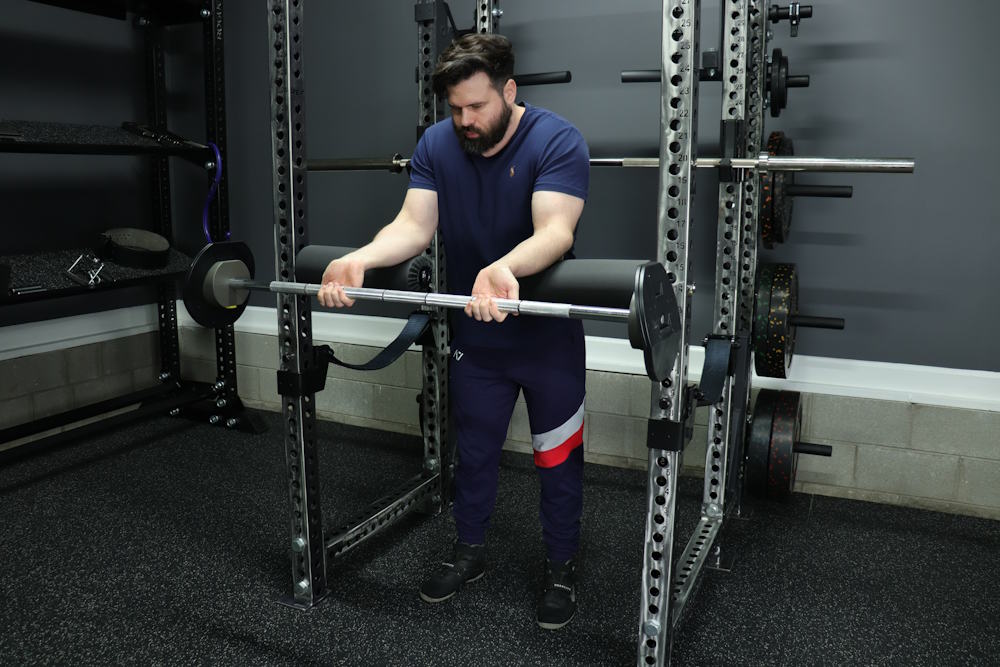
(763, 162)
(217, 285)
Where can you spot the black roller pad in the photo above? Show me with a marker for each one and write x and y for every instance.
(605, 283)
(654, 323)
(413, 275)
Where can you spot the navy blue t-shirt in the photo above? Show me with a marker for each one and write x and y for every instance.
(484, 209)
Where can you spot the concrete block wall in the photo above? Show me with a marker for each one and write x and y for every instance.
(384, 399)
(945, 459)
(936, 458)
(40, 385)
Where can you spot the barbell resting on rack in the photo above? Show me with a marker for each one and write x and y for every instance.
(763, 162)
(512, 306)
(217, 286)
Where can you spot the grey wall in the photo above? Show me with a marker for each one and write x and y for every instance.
(906, 262)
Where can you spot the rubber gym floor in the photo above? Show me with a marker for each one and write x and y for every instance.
(166, 542)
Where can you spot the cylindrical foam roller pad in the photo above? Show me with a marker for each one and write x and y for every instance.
(412, 275)
(607, 283)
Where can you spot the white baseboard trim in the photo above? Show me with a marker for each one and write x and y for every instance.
(21, 340)
(925, 385)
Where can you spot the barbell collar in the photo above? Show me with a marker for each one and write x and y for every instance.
(776, 13)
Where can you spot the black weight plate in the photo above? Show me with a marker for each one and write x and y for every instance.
(778, 82)
(778, 345)
(654, 321)
(781, 202)
(761, 311)
(767, 207)
(193, 294)
(758, 454)
(784, 288)
(767, 232)
(786, 425)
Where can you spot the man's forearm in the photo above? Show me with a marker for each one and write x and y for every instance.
(537, 252)
(393, 244)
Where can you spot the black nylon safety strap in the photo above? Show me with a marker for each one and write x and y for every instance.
(415, 327)
(716, 368)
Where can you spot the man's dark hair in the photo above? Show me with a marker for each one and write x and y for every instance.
(472, 53)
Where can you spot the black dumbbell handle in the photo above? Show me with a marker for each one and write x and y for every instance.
(810, 322)
(800, 190)
(543, 78)
(653, 75)
(814, 449)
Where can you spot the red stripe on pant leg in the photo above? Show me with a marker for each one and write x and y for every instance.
(550, 458)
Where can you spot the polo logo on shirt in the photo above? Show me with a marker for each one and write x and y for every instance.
(512, 171)
(458, 355)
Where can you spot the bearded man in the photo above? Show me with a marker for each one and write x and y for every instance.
(506, 184)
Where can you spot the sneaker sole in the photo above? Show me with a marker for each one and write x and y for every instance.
(555, 626)
(427, 598)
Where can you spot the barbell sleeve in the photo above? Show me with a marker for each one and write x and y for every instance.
(458, 301)
(768, 162)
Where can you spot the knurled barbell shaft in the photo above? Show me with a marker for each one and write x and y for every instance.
(763, 162)
(523, 307)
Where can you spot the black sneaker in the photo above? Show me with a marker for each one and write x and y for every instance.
(558, 604)
(468, 563)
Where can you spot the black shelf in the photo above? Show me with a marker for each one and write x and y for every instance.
(20, 136)
(164, 11)
(40, 276)
(43, 275)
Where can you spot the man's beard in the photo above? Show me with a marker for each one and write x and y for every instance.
(488, 139)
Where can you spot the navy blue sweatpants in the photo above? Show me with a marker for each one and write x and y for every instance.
(484, 385)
